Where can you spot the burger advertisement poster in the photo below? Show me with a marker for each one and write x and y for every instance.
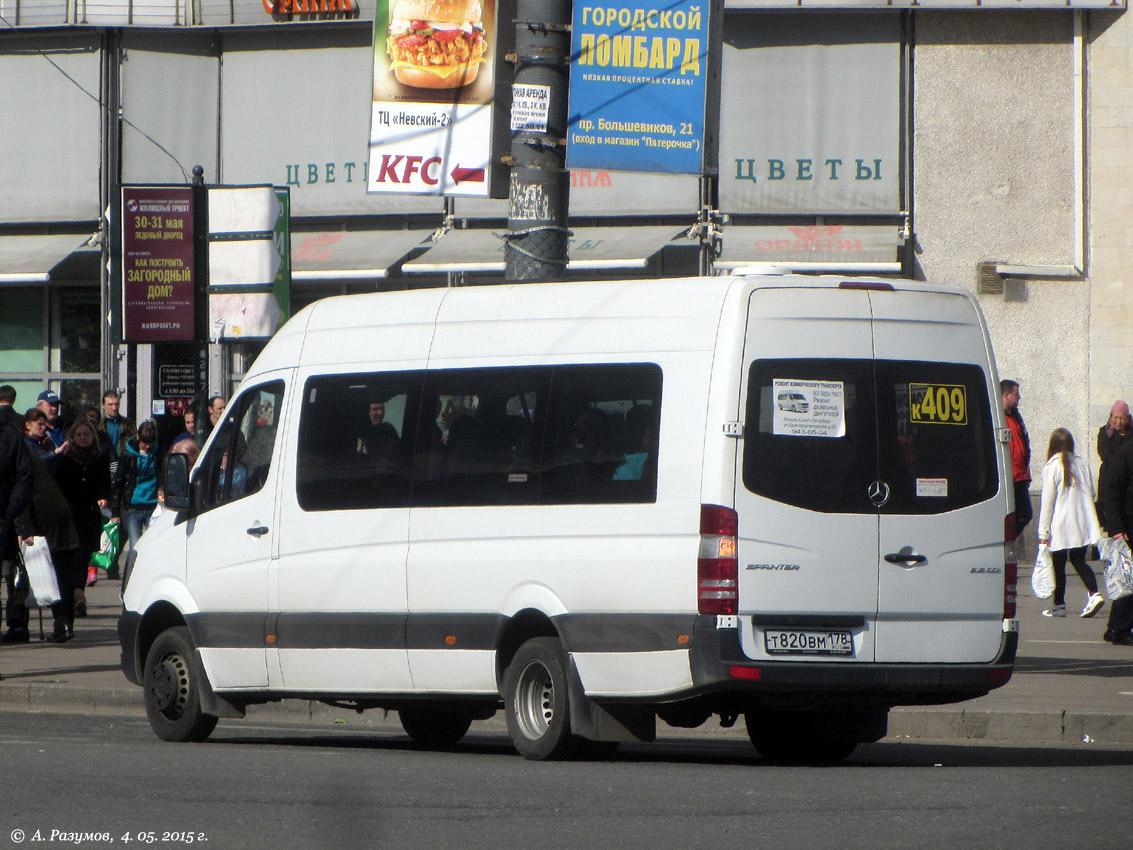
(431, 118)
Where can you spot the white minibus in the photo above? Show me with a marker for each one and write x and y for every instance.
(586, 504)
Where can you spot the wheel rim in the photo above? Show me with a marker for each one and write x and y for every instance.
(169, 685)
(535, 701)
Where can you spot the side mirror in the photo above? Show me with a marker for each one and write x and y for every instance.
(175, 475)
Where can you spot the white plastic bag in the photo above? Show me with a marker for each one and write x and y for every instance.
(1042, 577)
(41, 572)
(1118, 567)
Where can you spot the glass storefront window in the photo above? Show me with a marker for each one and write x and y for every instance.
(74, 331)
(51, 337)
(21, 331)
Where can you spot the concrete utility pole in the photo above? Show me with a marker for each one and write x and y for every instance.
(536, 248)
(200, 299)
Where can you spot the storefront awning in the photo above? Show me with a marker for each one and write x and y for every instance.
(40, 258)
(350, 255)
(591, 249)
(866, 248)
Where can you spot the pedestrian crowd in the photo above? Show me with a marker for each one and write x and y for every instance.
(1072, 514)
(66, 486)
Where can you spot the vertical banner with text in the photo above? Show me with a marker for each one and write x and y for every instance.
(158, 272)
(433, 87)
(638, 86)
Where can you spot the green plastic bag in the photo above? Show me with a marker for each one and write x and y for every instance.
(106, 557)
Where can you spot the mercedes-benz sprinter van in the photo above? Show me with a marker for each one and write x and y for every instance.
(588, 505)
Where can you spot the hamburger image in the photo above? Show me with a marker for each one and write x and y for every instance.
(435, 44)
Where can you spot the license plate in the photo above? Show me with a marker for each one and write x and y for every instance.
(808, 642)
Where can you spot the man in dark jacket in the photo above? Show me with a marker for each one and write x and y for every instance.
(17, 479)
(7, 407)
(1117, 501)
(117, 427)
(1020, 454)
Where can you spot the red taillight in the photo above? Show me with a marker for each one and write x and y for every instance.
(999, 676)
(717, 568)
(753, 673)
(1010, 567)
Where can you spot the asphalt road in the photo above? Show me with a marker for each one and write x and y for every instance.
(282, 786)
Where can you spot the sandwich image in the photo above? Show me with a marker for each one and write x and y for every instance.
(435, 44)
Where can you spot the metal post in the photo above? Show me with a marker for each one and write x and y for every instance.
(536, 245)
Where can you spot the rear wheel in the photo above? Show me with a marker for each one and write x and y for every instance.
(536, 702)
(811, 737)
(172, 691)
(795, 751)
(436, 725)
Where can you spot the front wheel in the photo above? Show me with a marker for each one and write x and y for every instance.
(171, 690)
(536, 702)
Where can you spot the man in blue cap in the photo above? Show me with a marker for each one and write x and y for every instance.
(57, 427)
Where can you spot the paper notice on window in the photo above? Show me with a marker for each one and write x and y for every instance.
(809, 408)
(930, 488)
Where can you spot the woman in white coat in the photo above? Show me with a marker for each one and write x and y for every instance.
(1068, 522)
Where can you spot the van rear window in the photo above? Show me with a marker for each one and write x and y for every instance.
(819, 432)
(463, 437)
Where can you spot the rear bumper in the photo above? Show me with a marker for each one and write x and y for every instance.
(719, 666)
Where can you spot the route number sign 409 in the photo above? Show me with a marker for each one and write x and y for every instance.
(938, 404)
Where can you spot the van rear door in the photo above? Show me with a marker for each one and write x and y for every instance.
(865, 530)
(940, 458)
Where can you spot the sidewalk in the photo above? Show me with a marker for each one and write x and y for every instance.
(1069, 685)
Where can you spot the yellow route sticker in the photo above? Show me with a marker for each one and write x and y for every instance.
(938, 404)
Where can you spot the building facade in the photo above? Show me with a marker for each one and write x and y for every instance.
(983, 144)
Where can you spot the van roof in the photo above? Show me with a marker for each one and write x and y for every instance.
(681, 313)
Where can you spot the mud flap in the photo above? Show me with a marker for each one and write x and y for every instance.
(596, 722)
(211, 702)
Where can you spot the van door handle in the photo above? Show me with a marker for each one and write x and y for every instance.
(906, 559)
(258, 530)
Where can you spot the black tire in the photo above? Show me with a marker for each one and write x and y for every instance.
(598, 750)
(536, 702)
(436, 725)
(783, 751)
(789, 737)
(171, 690)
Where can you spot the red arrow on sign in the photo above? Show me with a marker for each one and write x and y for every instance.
(467, 175)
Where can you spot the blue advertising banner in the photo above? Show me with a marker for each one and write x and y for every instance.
(638, 84)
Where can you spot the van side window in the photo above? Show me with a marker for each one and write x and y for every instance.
(480, 437)
(356, 438)
(602, 435)
(239, 460)
(464, 437)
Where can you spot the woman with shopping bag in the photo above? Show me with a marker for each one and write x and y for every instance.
(1068, 522)
(49, 516)
(83, 474)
